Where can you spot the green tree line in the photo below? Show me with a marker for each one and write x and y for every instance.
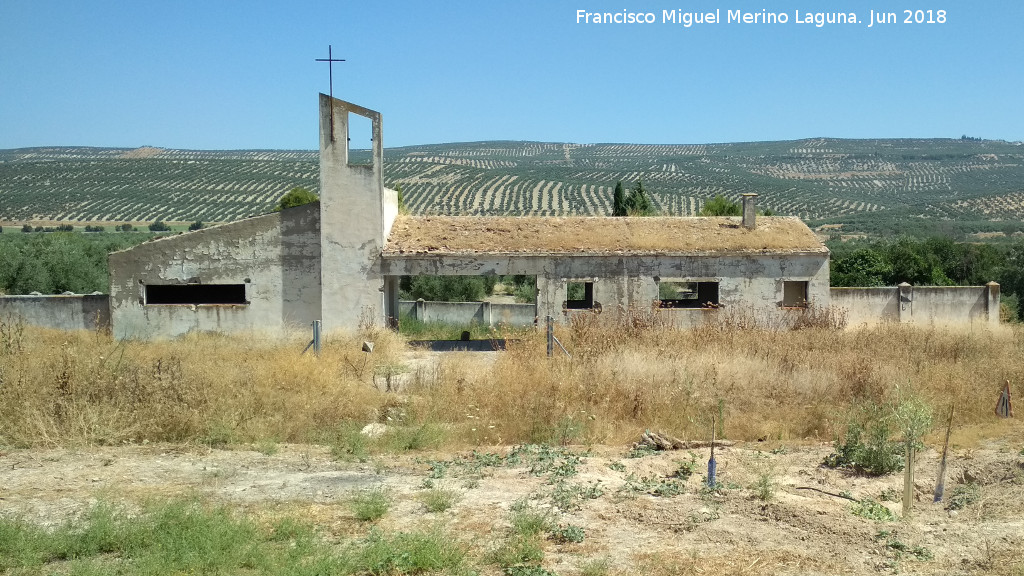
(466, 288)
(60, 261)
(936, 261)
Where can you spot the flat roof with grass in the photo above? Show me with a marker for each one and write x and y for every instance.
(598, 235)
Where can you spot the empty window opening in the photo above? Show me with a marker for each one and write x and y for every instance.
(579, 295)
(195, 294)
(794, 294)
(688, 294)
(442, 307)
(360, 140)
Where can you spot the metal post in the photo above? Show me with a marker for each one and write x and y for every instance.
(712, 465)
(551, 335)
(316, 337)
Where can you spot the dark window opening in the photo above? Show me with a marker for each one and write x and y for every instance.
(360, 140)
(579, 295)
(195, 294)
(685, 294)
(442, 306)
(794, 294)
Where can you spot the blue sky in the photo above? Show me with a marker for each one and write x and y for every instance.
(220, 74)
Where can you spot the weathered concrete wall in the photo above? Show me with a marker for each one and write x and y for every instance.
(357, 213)
(926, 305)
(867, 305)
(753, 282)
(62, 312)
(276, 256)
(486, 313)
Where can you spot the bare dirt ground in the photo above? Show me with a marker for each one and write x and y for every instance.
(798, 531)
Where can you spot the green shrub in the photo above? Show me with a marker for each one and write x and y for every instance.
(439, 499)
(406, 438)
(349, 443)
(720, 206)
(528, 522)
(526, 293)
(568, 497)
(407, 553)
(516, 551)
(295, 197)
(371, 504)
(867, 447)
(764, 486)
(963, 495)
(566, 534)
(872, 510)
(176, 537)
(686, 468)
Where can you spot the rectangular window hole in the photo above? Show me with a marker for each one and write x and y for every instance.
(360, 140)
(688, 294)
(794, 294)
(195, 294)
(579, 295)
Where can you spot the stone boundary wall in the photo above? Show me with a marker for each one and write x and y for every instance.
(923, 305)
(60, 312)
(484, 313)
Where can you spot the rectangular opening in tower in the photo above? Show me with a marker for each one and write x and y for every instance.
(360, 140)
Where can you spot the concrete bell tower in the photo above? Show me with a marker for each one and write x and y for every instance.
(356, 214)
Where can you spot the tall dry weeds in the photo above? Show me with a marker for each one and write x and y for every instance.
(86, 388)
(623, 377)
(773, 384)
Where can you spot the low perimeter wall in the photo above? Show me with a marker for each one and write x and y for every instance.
(62, 312)
(485, 313)
(925, 305)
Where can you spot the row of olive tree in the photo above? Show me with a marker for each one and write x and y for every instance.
(60, 262)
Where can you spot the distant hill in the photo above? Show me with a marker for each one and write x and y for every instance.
(865, 185)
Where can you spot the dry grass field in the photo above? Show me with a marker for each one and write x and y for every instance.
(500, 463)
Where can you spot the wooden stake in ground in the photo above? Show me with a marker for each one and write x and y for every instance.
(908, 481)
(914, 417)
(940, 485)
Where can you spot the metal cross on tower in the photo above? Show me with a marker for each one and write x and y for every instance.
(330, 75)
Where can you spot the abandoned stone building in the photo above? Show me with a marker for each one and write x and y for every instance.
(340, 261)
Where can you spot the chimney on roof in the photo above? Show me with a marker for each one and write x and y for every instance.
(750, 211)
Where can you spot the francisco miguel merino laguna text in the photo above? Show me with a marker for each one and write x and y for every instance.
(818, 19)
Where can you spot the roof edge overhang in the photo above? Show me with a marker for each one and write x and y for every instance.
(702, 254)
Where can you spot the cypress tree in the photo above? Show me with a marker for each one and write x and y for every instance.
(638, 203)
(619, 201)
